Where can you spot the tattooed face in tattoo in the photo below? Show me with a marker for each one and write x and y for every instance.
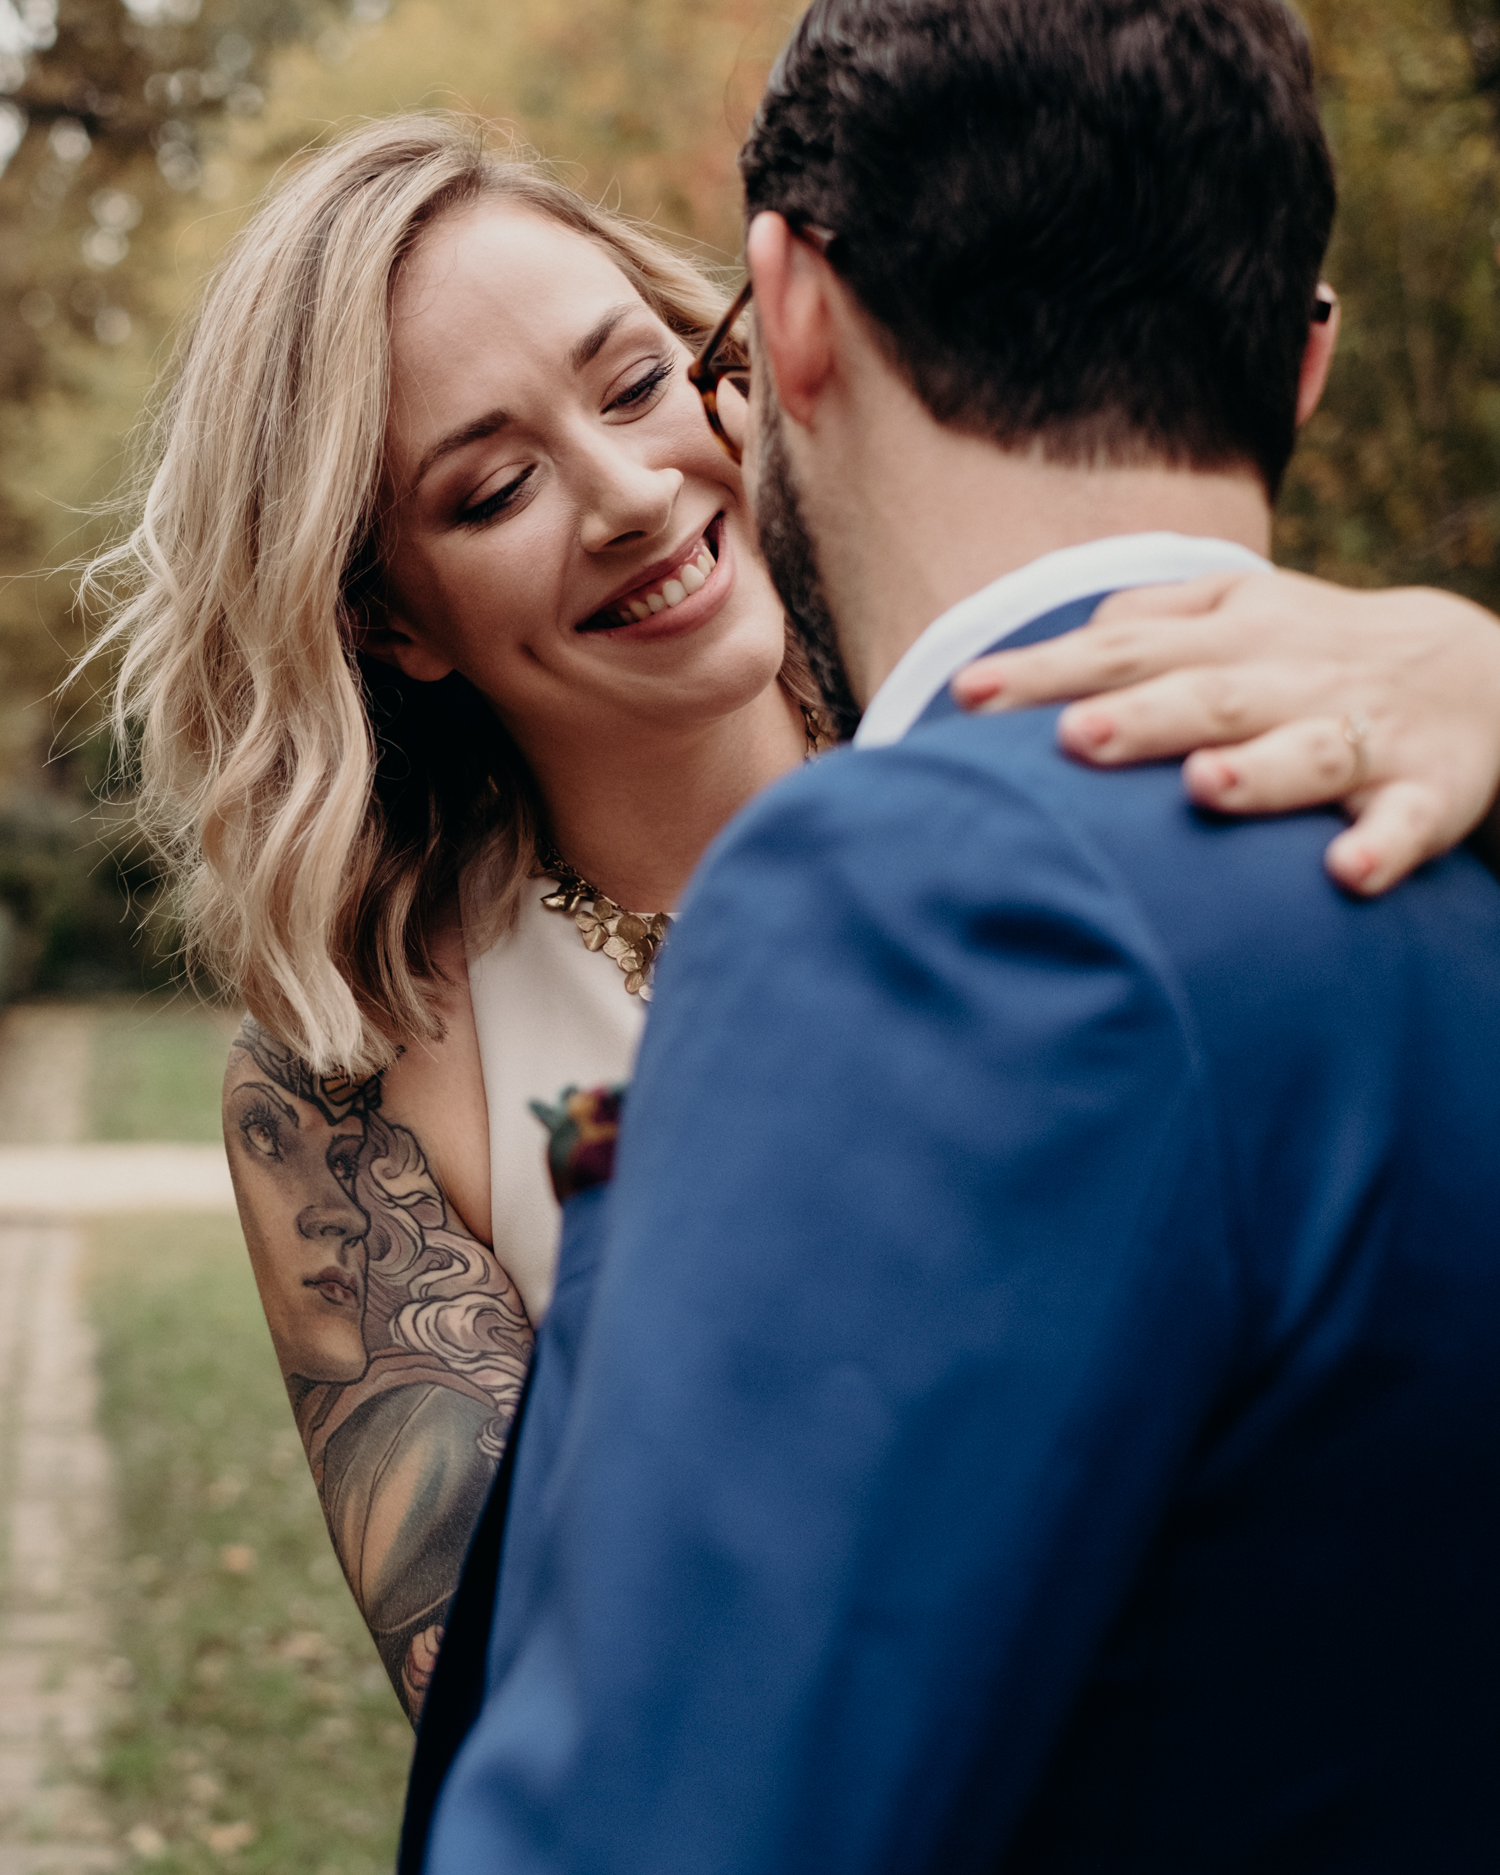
(308, 1242)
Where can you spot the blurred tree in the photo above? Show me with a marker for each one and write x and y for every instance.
(104, 117)
(640, 101)
(1396, 477)
(101, 128)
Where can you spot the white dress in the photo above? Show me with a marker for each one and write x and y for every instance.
(549, 1014)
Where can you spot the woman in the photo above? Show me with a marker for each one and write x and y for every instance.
(449, 651)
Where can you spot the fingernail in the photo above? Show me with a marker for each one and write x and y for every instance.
(1209, 778)
(1088, 727)
(1360, 863)
(971, 690)
(1223, 777)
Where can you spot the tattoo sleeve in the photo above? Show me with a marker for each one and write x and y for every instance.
(402, 1341)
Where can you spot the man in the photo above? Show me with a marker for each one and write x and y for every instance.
(1039, 1406)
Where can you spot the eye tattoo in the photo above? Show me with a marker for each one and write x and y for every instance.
(260, 1126)
(343, 1159)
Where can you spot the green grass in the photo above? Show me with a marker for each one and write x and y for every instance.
(250, 1694)
(158, 1064)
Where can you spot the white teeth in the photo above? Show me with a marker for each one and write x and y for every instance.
(691, 577)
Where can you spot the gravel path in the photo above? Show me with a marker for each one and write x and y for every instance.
(55, 1505)
(44, 1182)
(44, 1072)
(55, 1486)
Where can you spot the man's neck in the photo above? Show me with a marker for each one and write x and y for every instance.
(936, 515)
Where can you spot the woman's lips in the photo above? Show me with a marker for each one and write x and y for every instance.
(336, 1286)
(672, 616)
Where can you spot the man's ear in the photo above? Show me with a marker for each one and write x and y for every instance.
(384, 634)
(1322, 341)
(793, 315)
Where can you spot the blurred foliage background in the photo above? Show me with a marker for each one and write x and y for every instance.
(135, 135)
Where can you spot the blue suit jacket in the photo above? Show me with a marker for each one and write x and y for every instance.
(1040, 1403)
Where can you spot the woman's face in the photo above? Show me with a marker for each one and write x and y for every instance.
(564, 529)
(306, 1234)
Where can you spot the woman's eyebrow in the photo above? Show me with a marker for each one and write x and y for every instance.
(474, 431)
(596, 338)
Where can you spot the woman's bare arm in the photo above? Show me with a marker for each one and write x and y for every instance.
(403, 1342)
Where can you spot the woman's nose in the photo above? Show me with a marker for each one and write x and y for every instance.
(624, 498)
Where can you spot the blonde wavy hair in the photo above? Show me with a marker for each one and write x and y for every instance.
(312, 810)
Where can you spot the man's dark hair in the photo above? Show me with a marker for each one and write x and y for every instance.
(1096, 224)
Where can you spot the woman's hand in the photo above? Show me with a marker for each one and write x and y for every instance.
(1285, 692)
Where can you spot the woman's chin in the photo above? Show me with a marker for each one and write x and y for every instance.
(720, 666)
(708, 681)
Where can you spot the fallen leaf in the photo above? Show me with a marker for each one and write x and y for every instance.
(229, 1838)
(305, 1644)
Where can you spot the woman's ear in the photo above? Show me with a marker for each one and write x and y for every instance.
(1322, 338)
(382, 633)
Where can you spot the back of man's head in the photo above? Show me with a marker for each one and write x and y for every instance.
(1096, 224)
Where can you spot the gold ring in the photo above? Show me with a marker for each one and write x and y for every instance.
(1356, 731)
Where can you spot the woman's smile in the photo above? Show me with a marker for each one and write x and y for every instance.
(676, 595)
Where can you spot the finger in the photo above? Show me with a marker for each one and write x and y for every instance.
(1299, 765)
(1099, 657)
(1397, 827)
(1172, 715)
(1189, 598)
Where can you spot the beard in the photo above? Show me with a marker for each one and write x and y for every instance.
(792, 560)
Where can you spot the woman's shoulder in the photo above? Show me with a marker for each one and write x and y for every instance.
(432, 1090)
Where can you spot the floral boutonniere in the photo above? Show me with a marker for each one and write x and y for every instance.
(582, 1129)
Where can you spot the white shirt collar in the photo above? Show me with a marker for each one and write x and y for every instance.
(1032, 591)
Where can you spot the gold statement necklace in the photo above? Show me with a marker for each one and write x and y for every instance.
(631, 938)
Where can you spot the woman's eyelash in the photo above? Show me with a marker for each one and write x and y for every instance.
(492, 505)
(644, 386)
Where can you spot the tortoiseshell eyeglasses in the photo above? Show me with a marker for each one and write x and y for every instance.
(724, 357)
